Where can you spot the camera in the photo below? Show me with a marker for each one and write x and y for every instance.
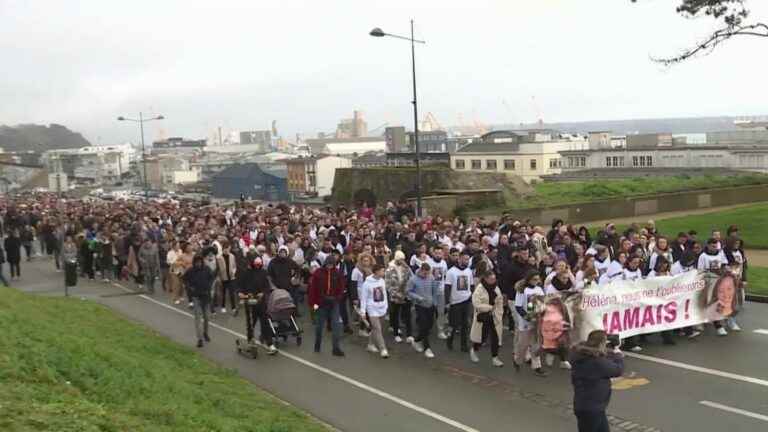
(614, 341)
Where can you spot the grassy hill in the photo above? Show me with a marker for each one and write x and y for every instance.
(71, 365)
(552, 194)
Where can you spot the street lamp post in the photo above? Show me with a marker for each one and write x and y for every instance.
(141, 120)
(377, 32)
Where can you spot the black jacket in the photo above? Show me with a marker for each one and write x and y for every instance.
(200, 280)
(591, 375)
(13, 249)
(254, 281)
(281, 270)
(513, 273)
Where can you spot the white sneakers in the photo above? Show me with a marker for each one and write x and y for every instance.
(398, 339)
(496, 362)
(428, 353)
(410, 339)
(177, 302)
(636, 348)
(271, 350)
(223, 310)
(372, 348)
(734, 325)
(694, 334)
(417, 346)
(384, 353)
(722, 331)
(473, 356)
(363, 333)
(441, 335)
(565, 365)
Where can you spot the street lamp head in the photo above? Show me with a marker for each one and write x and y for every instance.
(377, 32)
(121, 118)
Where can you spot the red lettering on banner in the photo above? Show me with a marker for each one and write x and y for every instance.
(631, 318)
(647, 316)
(671, 312)
(615, 323)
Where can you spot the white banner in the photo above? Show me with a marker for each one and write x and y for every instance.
(630, 308)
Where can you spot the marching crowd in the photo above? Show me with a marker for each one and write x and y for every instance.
(365, 271)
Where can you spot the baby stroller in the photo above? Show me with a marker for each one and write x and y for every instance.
(281, 312)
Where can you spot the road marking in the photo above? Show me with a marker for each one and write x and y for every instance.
(735, 410)
(761, 331)
(715, 372)
(344, 378)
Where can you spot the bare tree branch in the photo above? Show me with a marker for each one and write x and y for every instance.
(715, 39)
(733, 14)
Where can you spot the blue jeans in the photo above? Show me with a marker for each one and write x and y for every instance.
(321, 317)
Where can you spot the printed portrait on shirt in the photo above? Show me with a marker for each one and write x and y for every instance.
(378, 294)
(462, 283)
(437, 273)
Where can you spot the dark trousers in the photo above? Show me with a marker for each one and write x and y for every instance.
(228, 290)
(592, 421)
(399, 312)
(28, 250)
(15, 268)
(70, 273)
(321, 316)
(343, 311)
(458, 320)
(425, 319)
(2, 276)
(257, 314)
(119, 269)
(88, 266)
(489, 331)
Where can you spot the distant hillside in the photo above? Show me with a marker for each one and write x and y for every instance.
(39, 138)
(622, 127)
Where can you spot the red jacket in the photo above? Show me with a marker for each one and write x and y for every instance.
(323, 283)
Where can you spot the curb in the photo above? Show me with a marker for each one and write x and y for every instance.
(757, 298)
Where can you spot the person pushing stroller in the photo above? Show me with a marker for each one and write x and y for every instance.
(254, 290)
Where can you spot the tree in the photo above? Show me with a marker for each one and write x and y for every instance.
(733, 18)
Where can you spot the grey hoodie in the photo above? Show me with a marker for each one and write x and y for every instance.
(423, 291)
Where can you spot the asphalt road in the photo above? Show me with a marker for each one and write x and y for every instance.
(711, 384)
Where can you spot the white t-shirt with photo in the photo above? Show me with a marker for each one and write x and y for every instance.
(461, 282)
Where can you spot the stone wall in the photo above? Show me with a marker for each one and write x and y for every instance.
(640, 206)
(390, 184)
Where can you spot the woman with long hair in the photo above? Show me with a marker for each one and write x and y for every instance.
(487, 319)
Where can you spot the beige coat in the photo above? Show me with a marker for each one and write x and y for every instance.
(480, 303)
(223, 268)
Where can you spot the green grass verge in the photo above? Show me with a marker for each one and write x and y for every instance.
(758, 280)
(72, 365)
(750, 220)
(550, 194)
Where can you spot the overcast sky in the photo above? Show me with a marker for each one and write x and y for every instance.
(306, 64)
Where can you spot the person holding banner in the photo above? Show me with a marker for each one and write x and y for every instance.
(714, 260)
(524, 334)
(593, 368)
(737, 262)
(615, 269)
